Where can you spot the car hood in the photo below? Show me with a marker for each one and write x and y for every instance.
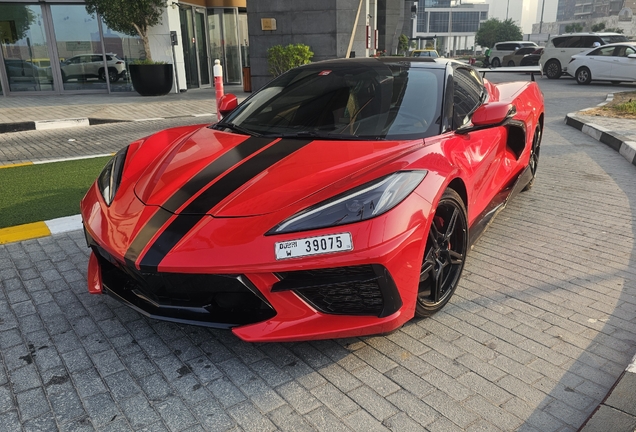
(213, 172)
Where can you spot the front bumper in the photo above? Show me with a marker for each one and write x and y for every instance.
(369, 290)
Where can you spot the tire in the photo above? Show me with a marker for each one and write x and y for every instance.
(113, 76)
(444, 255)
(533, 163)
(495, 62)
(552, 69)
(583, 75)
(511, 63)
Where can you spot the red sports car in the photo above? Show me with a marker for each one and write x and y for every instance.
(339, 200)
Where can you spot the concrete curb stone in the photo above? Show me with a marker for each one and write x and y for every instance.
(75, 122)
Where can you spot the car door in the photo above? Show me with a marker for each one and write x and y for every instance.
(72, 67)
(600, 62)
(481, 152)
(623, 67)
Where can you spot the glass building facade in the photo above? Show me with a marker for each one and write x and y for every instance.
(59, 48)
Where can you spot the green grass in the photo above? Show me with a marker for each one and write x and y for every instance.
(626, 107)
(35, 193)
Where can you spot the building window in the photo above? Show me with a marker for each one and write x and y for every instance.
(438, 22)
(465, 22)
(422, 24)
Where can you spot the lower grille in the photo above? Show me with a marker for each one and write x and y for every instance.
(354, 290)
(221, 301)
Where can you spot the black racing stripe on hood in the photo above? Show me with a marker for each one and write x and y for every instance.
(217, 192)
(215, 169)
(192, 187)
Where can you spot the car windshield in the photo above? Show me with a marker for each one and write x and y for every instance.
(614, 39)
(345, 100)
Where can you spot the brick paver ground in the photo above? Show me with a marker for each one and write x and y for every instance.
(542, 324)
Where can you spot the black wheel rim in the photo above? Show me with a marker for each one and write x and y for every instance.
(112, 76)
(534, 154)
(552, 70)
(444, 255)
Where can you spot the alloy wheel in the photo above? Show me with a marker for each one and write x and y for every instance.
(444, 255)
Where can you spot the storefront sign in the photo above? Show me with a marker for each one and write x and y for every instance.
(268, 24)
(78, 46)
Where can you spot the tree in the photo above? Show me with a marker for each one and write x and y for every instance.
(281, 59)
(492, 31)
(19, 19)
(598, 27)
(131, 17)
(574, 27)
(403, 43)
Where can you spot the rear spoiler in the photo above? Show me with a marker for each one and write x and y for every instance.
(510, 69)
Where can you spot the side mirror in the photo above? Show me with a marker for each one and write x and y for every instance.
(493, 113)
(227, 103)
(632, 56)
(489, 115)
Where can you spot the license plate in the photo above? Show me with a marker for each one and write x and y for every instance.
(313, 246)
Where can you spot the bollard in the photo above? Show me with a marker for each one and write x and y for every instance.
(218, 85)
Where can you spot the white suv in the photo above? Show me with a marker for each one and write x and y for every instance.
(560, 49)
(502, 49)
(85, 66)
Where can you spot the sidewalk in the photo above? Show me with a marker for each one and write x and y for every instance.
(22, 113)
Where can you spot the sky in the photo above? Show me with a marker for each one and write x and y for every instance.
(523, 12)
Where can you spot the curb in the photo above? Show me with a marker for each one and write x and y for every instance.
(46, 228)
(615, 141)
(78, 122)
(40, 229)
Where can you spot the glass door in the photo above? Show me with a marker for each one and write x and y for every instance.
(202, 47)
(195, 47)
(224, 42)
(189, 48)
(232, 66)
(25, 55)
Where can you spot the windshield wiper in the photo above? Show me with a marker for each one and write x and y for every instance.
(234, 128)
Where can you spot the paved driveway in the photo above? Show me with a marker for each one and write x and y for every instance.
(543, 323)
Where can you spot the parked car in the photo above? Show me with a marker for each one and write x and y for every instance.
(19, 70)
(515, 58)
(611, 62)
(424, 53)
(85, 66)
(502, 49)
(560, 49)
(532, 59)
(339, 200)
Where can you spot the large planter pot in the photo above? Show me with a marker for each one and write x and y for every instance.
(151, 79)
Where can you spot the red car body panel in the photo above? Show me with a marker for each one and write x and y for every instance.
(230, 237)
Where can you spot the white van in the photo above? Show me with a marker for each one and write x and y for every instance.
(560, 49)
(502, 49)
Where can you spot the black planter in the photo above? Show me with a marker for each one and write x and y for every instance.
(151, 79)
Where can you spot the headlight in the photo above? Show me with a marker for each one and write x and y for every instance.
(108, 181)
(364, 202)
